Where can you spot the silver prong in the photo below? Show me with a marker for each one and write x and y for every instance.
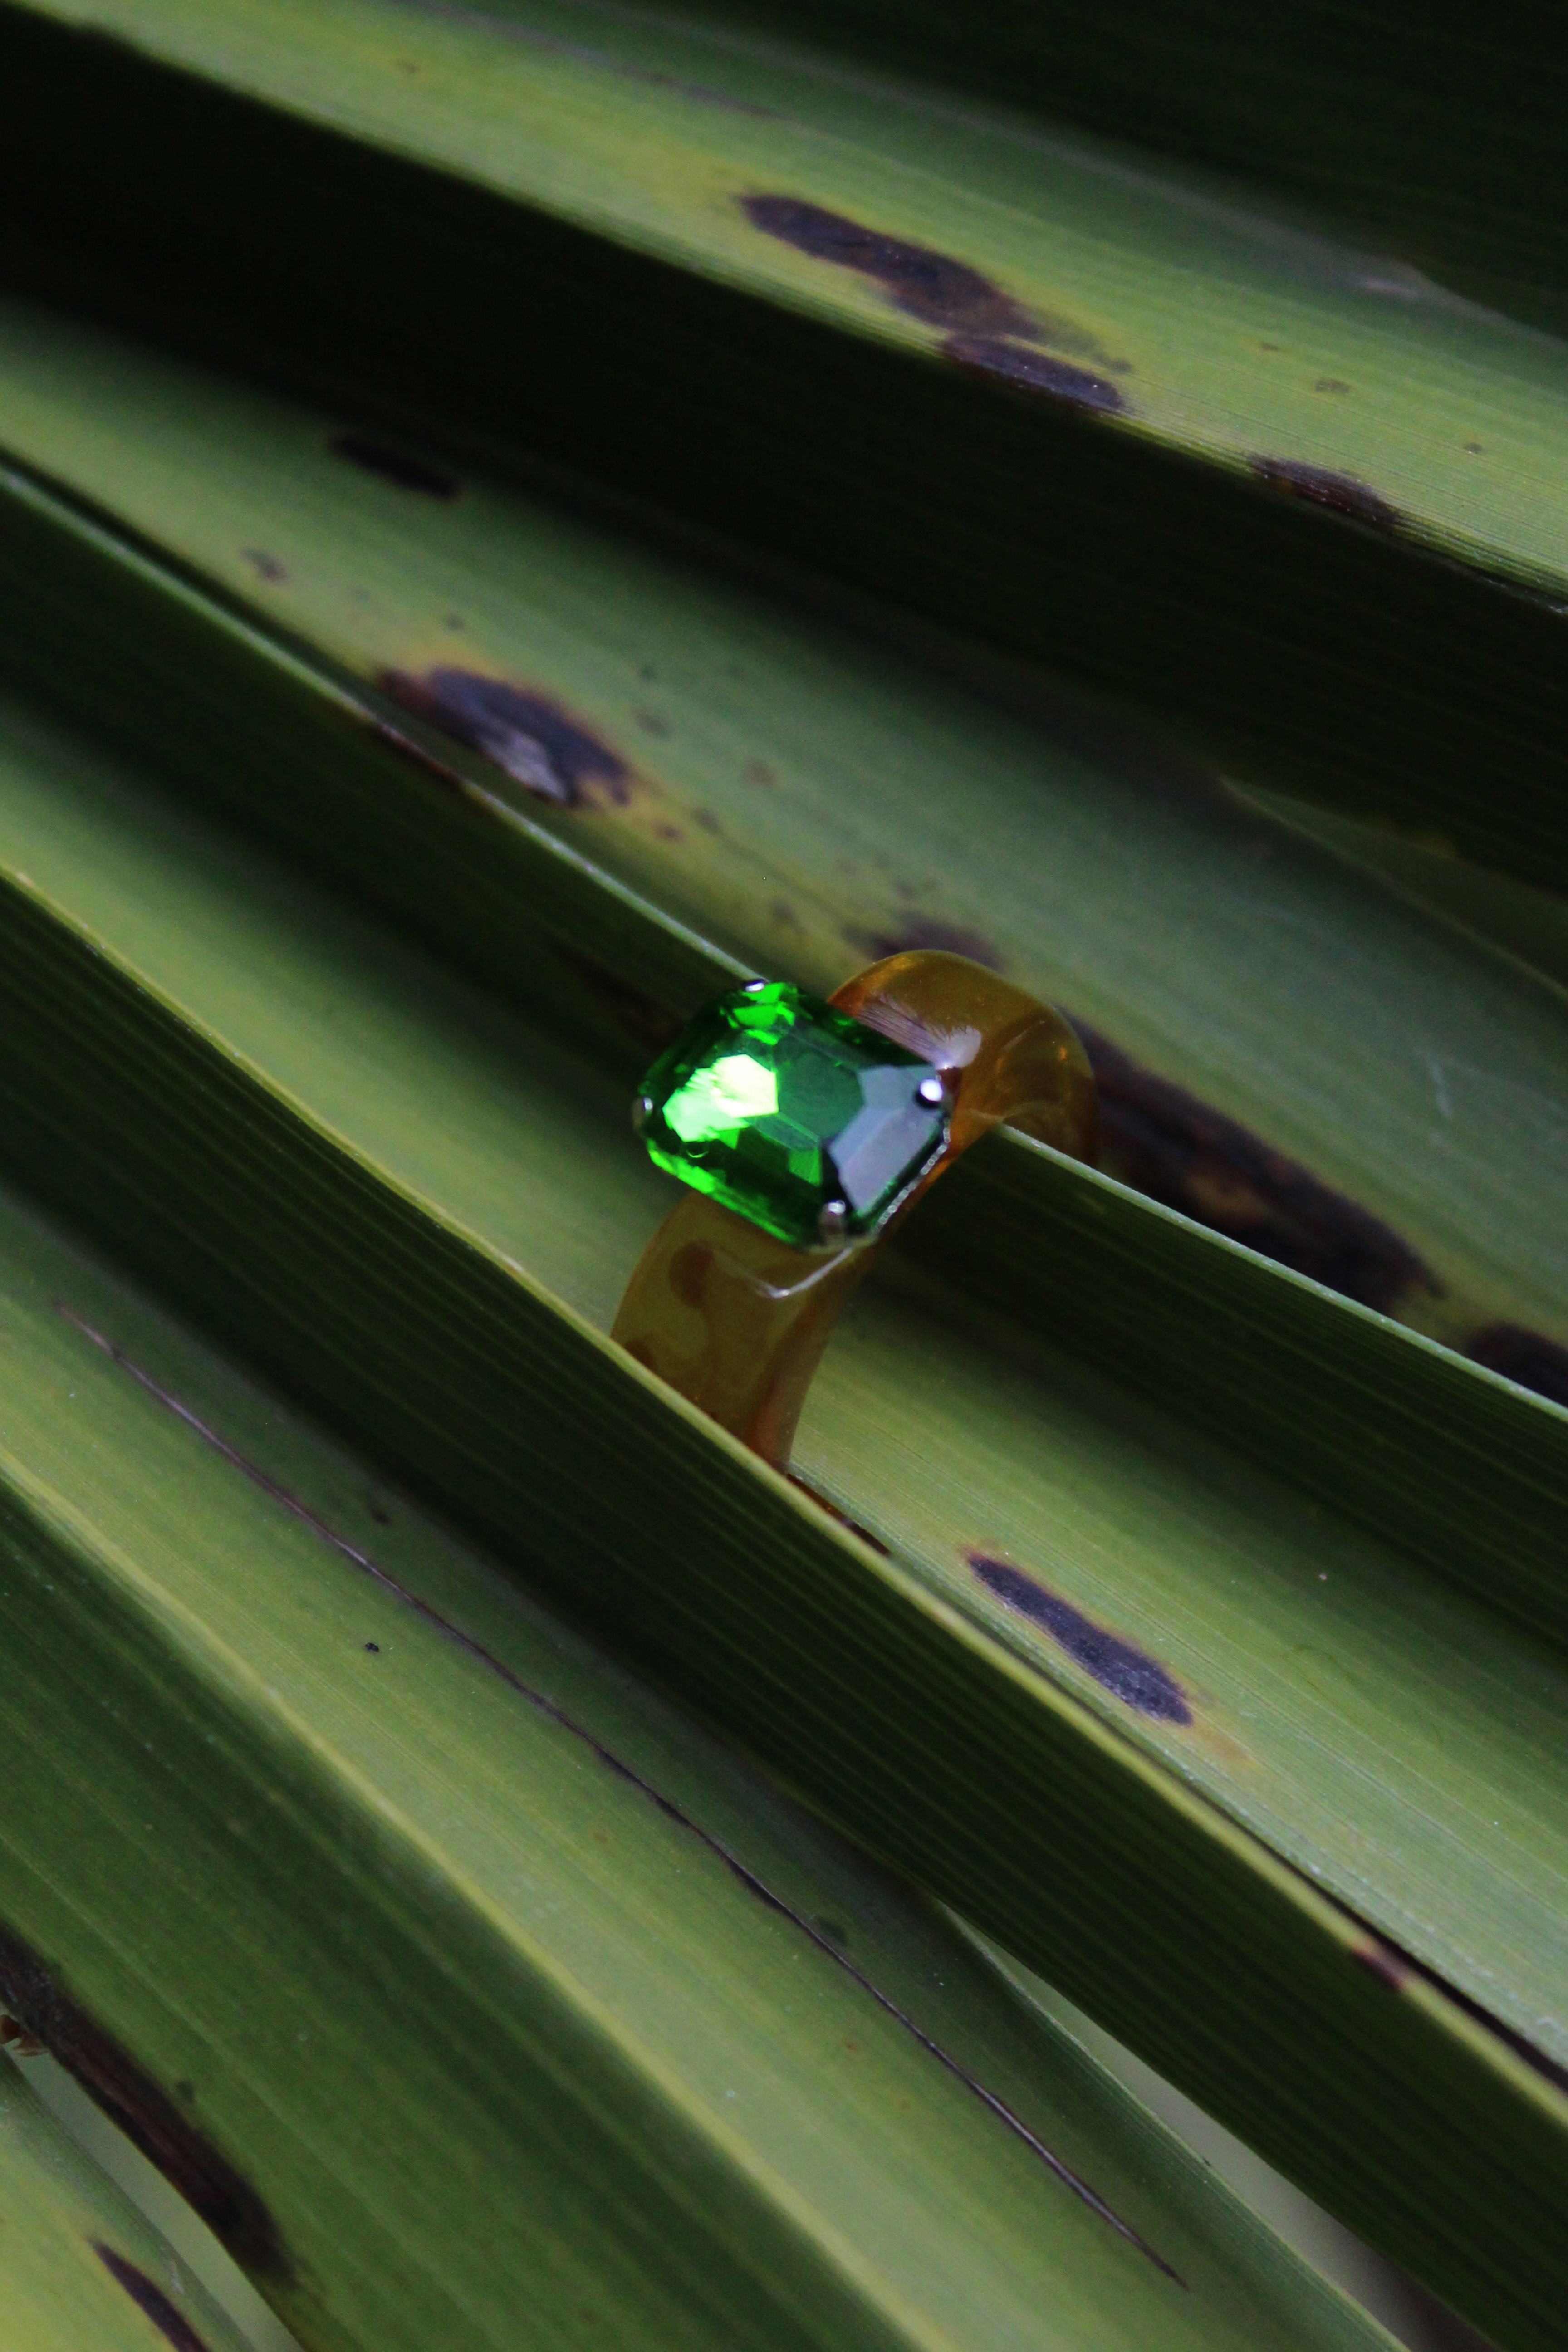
(833, 1220)
(932, 1092)
(753, 988)
(640, 1110)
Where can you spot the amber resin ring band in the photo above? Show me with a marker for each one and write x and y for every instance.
(804, 1129)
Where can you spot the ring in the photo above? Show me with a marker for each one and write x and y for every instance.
(806, 1129)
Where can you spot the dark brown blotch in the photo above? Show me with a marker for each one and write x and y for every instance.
(264, 566)
(1177, 1148)
(399, 467)
(1119, 1666)
(1035, 371)
(150, 2299)
(1522, 1355)
(917, 279)
(33, 1994)
(532, 737)
(1342, 494)
(929, 931)
(987, 328)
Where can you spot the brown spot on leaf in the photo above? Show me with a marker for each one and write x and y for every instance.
(651, 723)
(266, 567)
(757, 772)
(399, 467)
(917, 279)
(1128, 1673)
(1174, 1147)
(783, 914)
(1035, 371)
(1522, 1355)
(150, 2299)
(987, 328)
(1342, 493)
(1330, 384)
(539, 743)
(928, 932)
(34, 1996)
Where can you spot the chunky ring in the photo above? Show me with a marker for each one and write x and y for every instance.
(805, 1129)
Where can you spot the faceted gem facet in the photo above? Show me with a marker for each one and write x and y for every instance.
(781, 1107)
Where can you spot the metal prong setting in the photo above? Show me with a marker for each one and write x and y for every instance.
(833, 1220)
(932, 1092)
(640, 1110)
(753, 988)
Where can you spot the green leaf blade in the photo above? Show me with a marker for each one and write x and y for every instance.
(350, 1199)
(507, 1996)
(1326, 473)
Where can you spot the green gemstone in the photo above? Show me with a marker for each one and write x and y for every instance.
(783, 1108)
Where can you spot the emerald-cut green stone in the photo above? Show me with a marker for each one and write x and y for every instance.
(793, 1114)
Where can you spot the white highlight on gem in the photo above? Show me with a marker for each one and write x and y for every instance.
(726, 1094)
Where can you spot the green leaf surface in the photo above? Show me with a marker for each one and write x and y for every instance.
(1528, 923)
(1428, 128)
(1249, 476)
(82, 2271)
(809, 800)
(1419, 1073)
(474, 1996)
(363, 1173)
(630, 127)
